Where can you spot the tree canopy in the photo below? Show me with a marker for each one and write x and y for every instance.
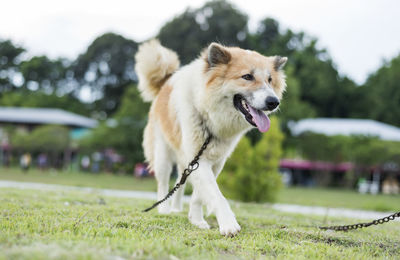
(106, 68)
(379, 98)
(101, 82)
(9, 63)
(100, 75)
(124, 131)
(190, 32)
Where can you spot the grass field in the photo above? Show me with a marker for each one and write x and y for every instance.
(340, 199)
(102, 180)
(302, 196)
(74, 225)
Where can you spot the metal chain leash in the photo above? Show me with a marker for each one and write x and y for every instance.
(362, 225)
(193, 165)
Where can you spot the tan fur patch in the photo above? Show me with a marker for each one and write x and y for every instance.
(245, 62)
(166, 116)
(148, 144)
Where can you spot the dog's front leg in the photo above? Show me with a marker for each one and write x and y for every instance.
(206, 189)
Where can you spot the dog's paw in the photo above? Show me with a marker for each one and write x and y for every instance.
(201, 224)
(229, 227)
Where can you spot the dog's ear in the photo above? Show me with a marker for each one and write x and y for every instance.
(279, 62)
(217, 54)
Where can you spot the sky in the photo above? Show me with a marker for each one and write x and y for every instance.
(358, 34)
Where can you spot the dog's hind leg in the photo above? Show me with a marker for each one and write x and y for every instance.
(177, 201)
(162, 171)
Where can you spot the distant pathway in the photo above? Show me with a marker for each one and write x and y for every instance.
(322, 211)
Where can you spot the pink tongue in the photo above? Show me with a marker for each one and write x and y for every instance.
(260, 119)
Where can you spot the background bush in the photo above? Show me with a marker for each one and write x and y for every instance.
(46, 138)
(251, 173)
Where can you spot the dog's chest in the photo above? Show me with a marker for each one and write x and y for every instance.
(220, 149)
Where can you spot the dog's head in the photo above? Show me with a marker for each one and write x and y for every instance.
(254, 83)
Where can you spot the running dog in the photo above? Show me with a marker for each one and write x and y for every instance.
(223, 93)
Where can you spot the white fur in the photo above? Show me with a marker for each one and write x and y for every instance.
(150, 54)
(200, 109)
(191, 102)
(257, 98)
(163, 161)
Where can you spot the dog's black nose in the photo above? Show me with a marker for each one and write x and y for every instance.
(271, 103)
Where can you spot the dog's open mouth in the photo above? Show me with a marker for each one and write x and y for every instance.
(254, 116)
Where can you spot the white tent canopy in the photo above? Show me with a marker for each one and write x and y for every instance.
(44, 116)
(340, 126)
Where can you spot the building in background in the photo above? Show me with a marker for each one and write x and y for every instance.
(27, 119)
(347, 127)
(300, 171)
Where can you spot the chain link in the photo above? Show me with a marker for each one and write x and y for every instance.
(362, 225)
(192, 166)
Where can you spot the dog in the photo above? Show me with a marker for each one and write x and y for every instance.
(223, 93)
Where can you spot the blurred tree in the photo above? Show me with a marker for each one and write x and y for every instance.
(293, 107)
(344, 99)
(41, 73)
(319, 147)
(51, 139)
(267, 35)
(251, 173)
(320, 82)
(270, 40)
(370, 151)
(20, 140)
(379, 98)
(124, 131)
(9, 62)
(26, 98)
(106, 68)
(361, 150)
(47, 138)
(190, 32)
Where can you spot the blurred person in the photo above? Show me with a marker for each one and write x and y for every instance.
(85, 163)
(390, 186)
(5, 149)
(25, 162)
(96, 157)
(42, 161)
(140, 170)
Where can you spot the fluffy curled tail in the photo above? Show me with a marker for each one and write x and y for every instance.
(154, 65)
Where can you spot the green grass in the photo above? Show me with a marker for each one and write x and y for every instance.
(340, 199)
(101, 180)
(75, 225)
(302, 196)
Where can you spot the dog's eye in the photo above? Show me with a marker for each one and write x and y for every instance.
(269, 79)
(248, 77)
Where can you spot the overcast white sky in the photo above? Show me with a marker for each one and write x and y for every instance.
(358, 34)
